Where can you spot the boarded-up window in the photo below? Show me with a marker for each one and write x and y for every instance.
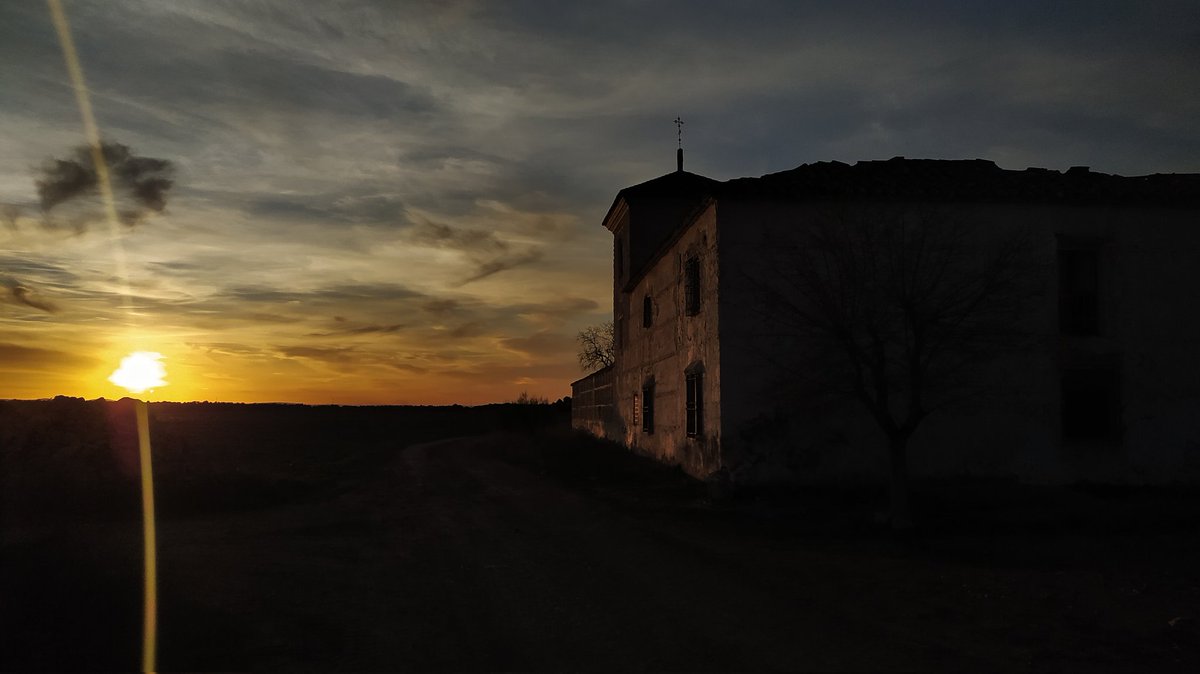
(691, 286)
(648, 407)
(1079, 291)
(647, 312)
(694, 406)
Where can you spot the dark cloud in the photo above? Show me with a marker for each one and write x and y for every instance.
(349, 359)
(348, 206)
(338, 293)
(20, 293)
(140, 183)
(566, 306)
(499, 264)
(441, 307)
(541, 343)
(371, 329)
(490, 254)
(466, 330)
(8, 216)
(47, 273)
(29, 358)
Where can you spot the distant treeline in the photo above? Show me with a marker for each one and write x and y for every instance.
(71, 456)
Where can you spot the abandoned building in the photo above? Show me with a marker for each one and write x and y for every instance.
(1110, 390)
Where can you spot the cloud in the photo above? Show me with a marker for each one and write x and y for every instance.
(505, 262)
(467, 330)
(9, 214)
(333, 294)
(31, 358)
(440, 307)
(490, 254)
(227, 348)
(350, 359)
(373, 329)
(541, 343)
(20, 293)
(326, 354)
(560, 307)
(139, 183)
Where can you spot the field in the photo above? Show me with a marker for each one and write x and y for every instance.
(494, 538)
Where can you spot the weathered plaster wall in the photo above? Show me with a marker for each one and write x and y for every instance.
(665, 349)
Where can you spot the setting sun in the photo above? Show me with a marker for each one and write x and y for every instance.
(140, 371)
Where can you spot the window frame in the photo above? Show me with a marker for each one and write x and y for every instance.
(648, 407)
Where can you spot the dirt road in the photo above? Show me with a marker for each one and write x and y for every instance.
(454, 557)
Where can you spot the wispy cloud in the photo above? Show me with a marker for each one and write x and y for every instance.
(20, 293)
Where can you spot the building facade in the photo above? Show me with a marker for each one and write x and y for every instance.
(1108, 390)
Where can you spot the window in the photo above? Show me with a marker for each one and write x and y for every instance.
(648, 407)
(1090, 403)
(637, 408)
(691, 286)
(1079, 291)
(647, 312)
(694, 407)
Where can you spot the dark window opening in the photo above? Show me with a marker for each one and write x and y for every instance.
(648, 408)
(647, 312)
(1090, 404)
(694, 408)
(1079, 291)
(691, 285)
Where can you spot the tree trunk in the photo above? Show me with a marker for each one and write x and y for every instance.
(901, 515)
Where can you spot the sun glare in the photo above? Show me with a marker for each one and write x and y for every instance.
(140, 371)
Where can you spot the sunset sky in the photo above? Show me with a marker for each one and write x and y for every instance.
(400, 202)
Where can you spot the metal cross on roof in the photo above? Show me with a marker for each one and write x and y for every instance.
(679, 130)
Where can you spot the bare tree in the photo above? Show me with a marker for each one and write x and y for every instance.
(596, 346)
(902, 309)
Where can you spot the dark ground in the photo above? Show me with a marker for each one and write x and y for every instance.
(370, 538)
